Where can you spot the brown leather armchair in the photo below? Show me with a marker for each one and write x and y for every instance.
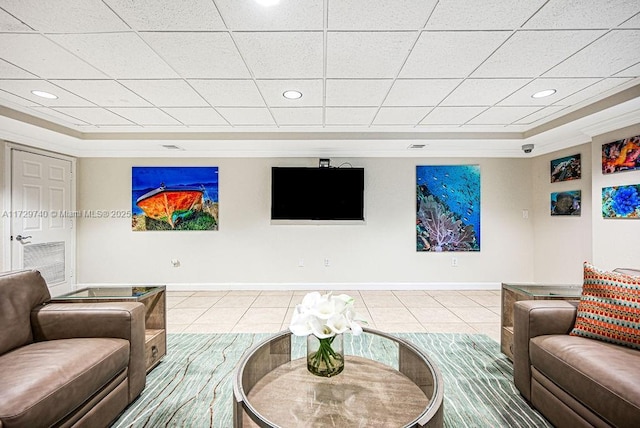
(66, 364)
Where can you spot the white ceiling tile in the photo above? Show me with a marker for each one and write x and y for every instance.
(400, 115)
(451, 115)
(482, 15)
(119, 55)
(379, 14)
(502, 115)
(420, 92)
(356, 93)
(599, 89)
(633, 71)
(569, 14)
(451, 54)
(57, 117)
(65, 16)
(102, 92)
(168, 15)
(531, 53)
(632, 23)
(94, 115)
(286, 15)
(612, 53)
(10, 71)
(281, 55)
(9, 23)
(298, 116)
(199, 55)
(367, 54)
(357, 116)
(23, 88)
(229, 93)
(272, 91)
(8, 98)
(42, 57)
(540, 114)
(563, 87)
(166, 93)
(483, 92)
(249, 116)
(196, 115)
(145, 116)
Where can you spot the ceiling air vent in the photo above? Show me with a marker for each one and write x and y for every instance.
(417, 146)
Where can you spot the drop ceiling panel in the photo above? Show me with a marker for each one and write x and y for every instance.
(502, 115)
(451, 54)
(632, 71)
(298, 116)
(540, 114)
(482, 15)
(168, 15)
(102, 92)
(633, 22)
(95, 116)
(118, 55)
(10, 98)
(10, 71)
(145, 116)
(483, 92)
(196, 116)
(49, 113)
(356, 92)
(379, 14)
(42, 57)
(563, 87)
(229, 93)
(601, 87)
(420, 92)
(609, 55)
(23, 88)
(246, 116)
(166, 93)
(272, 91)
(570, 14)
(9, 23)
(451, 115)
(65, 16)
(531, 53)
(400, 115)
(280, 55)
(367, 54)
(287, 15)
(352, 116)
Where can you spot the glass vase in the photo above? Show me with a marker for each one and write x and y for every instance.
(325, 357)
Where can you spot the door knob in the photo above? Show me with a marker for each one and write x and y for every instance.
(20, 238)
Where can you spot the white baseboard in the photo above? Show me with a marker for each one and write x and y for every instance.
(372, 286)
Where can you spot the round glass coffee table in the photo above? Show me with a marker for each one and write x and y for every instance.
(272, 390)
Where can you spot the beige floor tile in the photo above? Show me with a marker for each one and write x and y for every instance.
(256, 328)
(217, 315)
(474, 293)
(235, 301)
(198, 302)
(179, 293)
(434, 315)
(254, 293)
(382, 316)
(176, 328)
(455, 301)
(184, 315)
(490, 329)
(272, 301)
(452, 327)
(210, 293)
(265, 315)
(277, 293)
(209, 328)
(382, 301)
(375, 293)
(402, 327)
(174, 300)
(495, 309)
(435, 293)
(419, 301)
(486, 300)
(469, 315)
(399, 293)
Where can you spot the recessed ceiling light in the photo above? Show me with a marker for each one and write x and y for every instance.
(292, 95)
(267, 2)
(545, 93)
(44, 94)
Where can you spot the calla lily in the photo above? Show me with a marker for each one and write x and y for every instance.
(324, 316)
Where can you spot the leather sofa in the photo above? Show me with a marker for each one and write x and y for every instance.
(66, 364)
(573, 381)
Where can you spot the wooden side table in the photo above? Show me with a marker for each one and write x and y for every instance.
(154, 299)
(512, 293)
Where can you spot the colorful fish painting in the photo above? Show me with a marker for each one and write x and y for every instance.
(621, 201)
(621, 155)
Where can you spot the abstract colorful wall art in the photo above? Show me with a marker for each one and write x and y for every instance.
(174, 198)
(621, 201)
(448, 208)
(566, 203)
(621, 155)
(567, 168)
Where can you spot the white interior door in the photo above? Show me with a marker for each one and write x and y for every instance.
(42, 234)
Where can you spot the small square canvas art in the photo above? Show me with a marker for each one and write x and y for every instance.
(566, 203)
(567, 168)
(621, 201)
(621, 155)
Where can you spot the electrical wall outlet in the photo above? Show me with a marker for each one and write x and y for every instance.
(327, 263)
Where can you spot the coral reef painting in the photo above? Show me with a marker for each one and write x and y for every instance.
(448, 208)
(174, 198)
(621, 155)
(621, 201)
(566, 203)
(567, 168)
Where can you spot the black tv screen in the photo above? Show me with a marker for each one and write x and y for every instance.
(317, 193)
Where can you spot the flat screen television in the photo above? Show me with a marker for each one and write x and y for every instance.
(314, 194)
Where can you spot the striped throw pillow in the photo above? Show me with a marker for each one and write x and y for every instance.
(609, 308)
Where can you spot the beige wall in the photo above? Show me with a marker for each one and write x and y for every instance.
(4, 232)
(249, 252)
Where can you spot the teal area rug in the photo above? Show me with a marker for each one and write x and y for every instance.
(192, 387)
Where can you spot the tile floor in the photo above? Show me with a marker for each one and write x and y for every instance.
(463, 311)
